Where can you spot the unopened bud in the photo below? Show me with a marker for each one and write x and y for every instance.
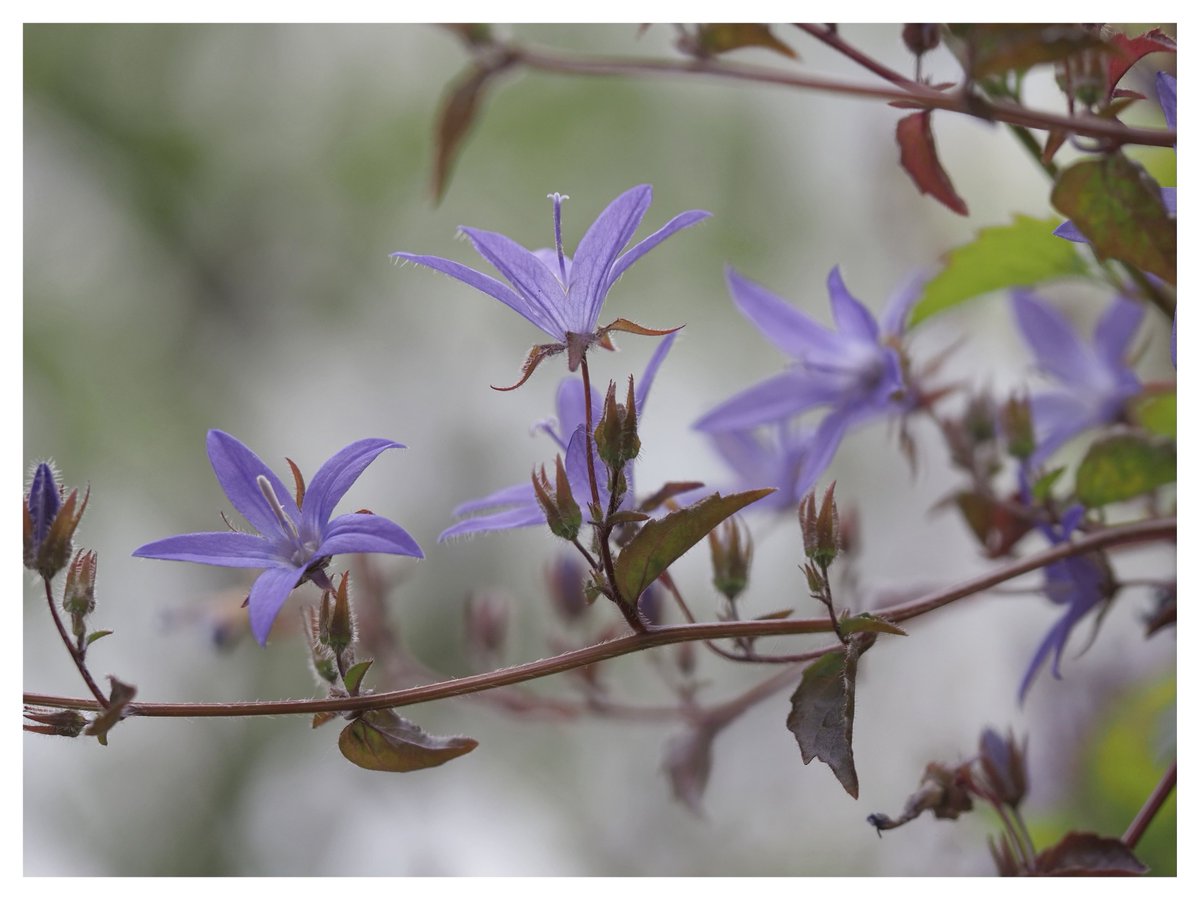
(617, 440)
(1084, 74)
(921, 37)
(79, 593)
(564, 580)
(1017, 422)
(341, 620)
(562, 512)
(731, 557)
(1003, 763)
(820, 527)
(979, 421)
(316, 625)
(487, 615)
(48, 523)
(63, 722)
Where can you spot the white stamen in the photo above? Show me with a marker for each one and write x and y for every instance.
(268, 492)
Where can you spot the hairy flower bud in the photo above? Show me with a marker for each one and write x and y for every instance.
(564, 580)
(820, 527)
(48, 523)
(731, 558)
(316, 626)
(617, 440)
(562, 512)
(341, 620)
(1017, 421)
(79, 593)
(1003, 763)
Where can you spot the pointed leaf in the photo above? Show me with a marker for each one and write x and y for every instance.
(866, 622)
(1080, 853)
(1024, 253)
(918, 156)
(1119, 208)
(1123, 467)
(666, 492)
(1130, 49)
(354, 676)
(662, 541)
(538, 353)
(383, 741)
(721, 37)
(455, 119)
(321, 718)
(627, 517)
(776, 614)
(635, 328)
(1156, 413)
(95, 636)
(822, 716)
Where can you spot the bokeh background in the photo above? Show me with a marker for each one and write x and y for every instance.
(208, 216)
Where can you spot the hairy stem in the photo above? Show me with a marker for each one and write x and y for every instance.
(76, 652)
(1134, 533)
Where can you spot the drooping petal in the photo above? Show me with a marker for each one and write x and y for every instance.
(1169, 201)
(597, 253)
(1164, 84)
(216, 548)
(1057, 348)
(894, 319)
(641, 390)
(538, 285)
(1053, 642)
(780, 323)
(852, 318)
(237, 469)
(517, 517)
(1116, 329)
(365, 533)
(824, 446)
(644, 246)
(575, 464)
(267, 597)
(336, 476)
(488, 285)
(515, 494)
(777, 397)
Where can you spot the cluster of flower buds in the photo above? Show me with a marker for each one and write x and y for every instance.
(617, 440)
(562, 512)
(732, 552)
(820, 527)
(1084, 74)
(331, 632)
(48, 523)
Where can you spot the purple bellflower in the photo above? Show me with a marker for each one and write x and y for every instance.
(296, 539)
(772, 457)
(1096, 382)
(1079, 583)
(517, 506)
(855, 371)
(559, 294)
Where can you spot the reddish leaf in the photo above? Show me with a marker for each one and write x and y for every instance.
(1128, 50)
(1080, 853)
(919, 158)
(532, 361)
(457, 116)
(383, 741)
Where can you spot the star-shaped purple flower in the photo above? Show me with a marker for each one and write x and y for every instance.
(295, 542)
(771, 457)
(855, 370)
(517, 506)
(1080, 583)
(559, 294)
(1096, 382)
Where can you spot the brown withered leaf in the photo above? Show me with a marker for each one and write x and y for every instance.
(666, 492)
(536, 355)
(118, 698)
(383, 741)
(918, 156)
(457, 115)
(1081, 853)
(941, 791)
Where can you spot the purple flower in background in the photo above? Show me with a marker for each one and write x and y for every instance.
(766, 458)
(855, 371)
(295, 541)
(1080, 583)
(559, 294)
(517, 506)
(1096, 382)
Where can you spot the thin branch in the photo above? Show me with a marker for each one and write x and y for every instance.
(1134, 533)
(832, 39)
(76, 653)
(1150, 809)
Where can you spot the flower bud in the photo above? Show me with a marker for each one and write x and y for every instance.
(1003, 763)
(731, 558)
(316, 626)
(79, 593)
(1017, 421)
(62, 722)
(341, 620)
(921, 37)
(564, 580)
(820, 527)
(48, 523)
(562, 512)
(487, 615)
(1084, 74)
(617, 440)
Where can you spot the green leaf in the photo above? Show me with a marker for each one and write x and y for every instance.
(383, 741)
(725, 36)
(822, 716)
(1123, 467)
(1021, 254)
(1156, 413)
(1043, 487)
(662, 541)
(354, 676)
(867, 622)
(95, 636)
(1118, 207)
(996, 49)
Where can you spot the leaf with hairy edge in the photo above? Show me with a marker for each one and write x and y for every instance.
(1081, 853)
(1118, 207)
(1124, 467)
(95, 636)
(383, 741)
(822, 716)
(1022, 254)
(918, 156)
(354, 676)
(725, 36)
(662, 541)
(864, 622)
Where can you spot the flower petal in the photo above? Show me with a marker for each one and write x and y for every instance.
(517, 517)
(1057, 417)
(852, 318)
(1053, 341)
(538, 285)
(824, 446)
(487, 285)
(216, 548)
(644, 246)
(778, 397)
(780, 323)
(1115, 330)
(1054, 641)
(237, 469)
(1164, 84)
(570, 410)
(894, 319)
(335, 477)
(597, 253)
(365, 533)
(641, 390)
(1068, 231)
(513, 495)
(267, 597)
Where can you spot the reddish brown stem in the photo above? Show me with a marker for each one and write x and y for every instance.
(1150, 808)
(76, 653)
